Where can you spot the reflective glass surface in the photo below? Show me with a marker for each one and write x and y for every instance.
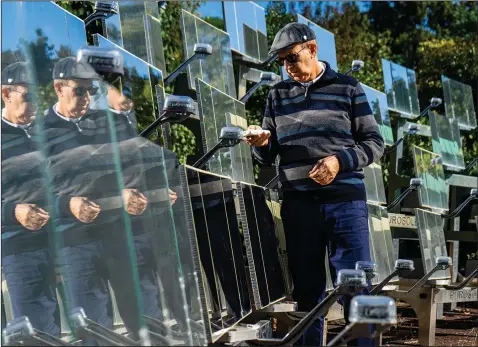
(154, 42)
(110, 213)
(131, 15)
(432, 241)
(246, 25)
(446, 140)
(211, 12)
(113, 30)
(218, 110)
(217, 68)
(401, 89)
(261, 245)
(433, 193)
(459, 103)
(220, 248)
(381, 245)
(404, 151)
(136, 86)
(374, 184)
(378, 103)
(325, 40)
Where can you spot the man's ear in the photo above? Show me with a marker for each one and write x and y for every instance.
(57, 85)
(5, 94)
(313, 49)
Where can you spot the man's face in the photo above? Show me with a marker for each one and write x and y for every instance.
(74, 97)
(20, 103)
(299, 61)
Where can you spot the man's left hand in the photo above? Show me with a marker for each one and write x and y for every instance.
(325, 170)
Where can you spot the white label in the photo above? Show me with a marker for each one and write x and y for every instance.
(402, 221)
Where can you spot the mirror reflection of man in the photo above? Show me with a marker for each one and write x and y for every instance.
(324, 131)
(27, 262)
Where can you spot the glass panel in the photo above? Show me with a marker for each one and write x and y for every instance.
(220, 248)
(432, 241)
(413, 92)
(387, 79)
(246, 24)
(212, 12)
(251, 47)
(154, 42)
(400, 85)
(370, 187)
(446, 141)
(392, 256)
(261, 245)
(401, 89)
(136, 86)
(378, 246)
(379, 184)
(404, 151)
(113, 30)
(378, 103)
(65, 181)
(325, 40)
(218, 110)
(132, 27)
(459, 103)
(433, 193)
(216, 69)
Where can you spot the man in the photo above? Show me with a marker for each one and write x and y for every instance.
(322, 128)
(27, 262)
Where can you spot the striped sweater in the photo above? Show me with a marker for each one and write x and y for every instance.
(328, 117)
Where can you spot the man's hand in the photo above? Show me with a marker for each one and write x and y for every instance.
(257, 140)
(83, 209)
(325, 170)
(172, 196)
(31, 216)
(134, 202)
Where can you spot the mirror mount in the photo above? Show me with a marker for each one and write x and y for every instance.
(201, 51)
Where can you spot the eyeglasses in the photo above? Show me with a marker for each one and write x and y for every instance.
(291, 58)
(27, 97)
(81, 91)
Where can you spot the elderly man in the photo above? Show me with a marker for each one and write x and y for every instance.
(323, 129)
(27, 262)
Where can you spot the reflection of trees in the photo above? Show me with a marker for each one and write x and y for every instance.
(376, 111)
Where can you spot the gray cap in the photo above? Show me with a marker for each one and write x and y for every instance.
(290, 35)
(70, 69)
(16, 73)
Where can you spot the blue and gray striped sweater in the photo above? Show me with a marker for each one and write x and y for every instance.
(329, 117)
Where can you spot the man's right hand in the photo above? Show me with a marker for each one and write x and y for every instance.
(84, 210)
(257, 140)
(31, 216)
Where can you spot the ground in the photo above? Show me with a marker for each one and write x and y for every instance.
(456, 328)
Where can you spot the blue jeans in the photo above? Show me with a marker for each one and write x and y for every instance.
(31, 283)
(86, 270)
(309, 227)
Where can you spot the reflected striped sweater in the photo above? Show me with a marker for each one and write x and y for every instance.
(331, 116)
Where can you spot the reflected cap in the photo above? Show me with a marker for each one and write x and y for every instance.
(290, 35)
(16, 73)
(71, 69)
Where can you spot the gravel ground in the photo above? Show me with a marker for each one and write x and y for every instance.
(456, 328)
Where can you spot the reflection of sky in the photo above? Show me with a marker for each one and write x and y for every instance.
(210, 9)
(22, 19)
(238, 13)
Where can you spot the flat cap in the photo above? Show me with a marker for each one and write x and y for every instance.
(70, 69)
(16, 73)
(291, 34)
